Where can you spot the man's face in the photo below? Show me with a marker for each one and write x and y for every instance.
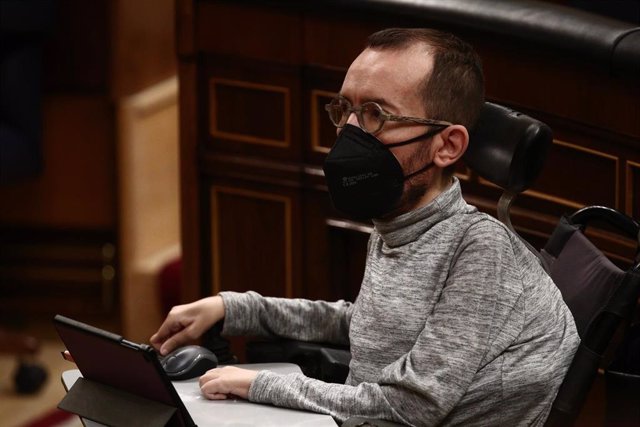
(393, 79)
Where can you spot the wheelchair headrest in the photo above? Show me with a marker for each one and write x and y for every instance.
(508, 148)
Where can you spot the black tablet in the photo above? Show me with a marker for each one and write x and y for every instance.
(109, 359)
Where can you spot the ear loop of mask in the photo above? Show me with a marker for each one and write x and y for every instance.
(428, 134)
(425, 135)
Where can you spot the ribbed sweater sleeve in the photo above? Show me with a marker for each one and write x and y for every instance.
(252, 314)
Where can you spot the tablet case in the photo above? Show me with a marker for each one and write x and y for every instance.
(123, 383)
(114, 407)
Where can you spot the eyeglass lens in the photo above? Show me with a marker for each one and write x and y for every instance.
(339, 110)
(370, 116)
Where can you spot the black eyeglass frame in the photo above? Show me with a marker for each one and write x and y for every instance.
(385, 116)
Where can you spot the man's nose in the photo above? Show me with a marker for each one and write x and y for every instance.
(353, 119)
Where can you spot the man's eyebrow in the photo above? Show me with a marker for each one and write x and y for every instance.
(384, 104)
(380, 101)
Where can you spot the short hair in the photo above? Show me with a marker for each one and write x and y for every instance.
(454, 91)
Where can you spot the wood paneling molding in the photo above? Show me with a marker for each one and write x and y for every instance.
(190, 203)
(563, 184)
(632, 202)
(320, 141)
(252, 113)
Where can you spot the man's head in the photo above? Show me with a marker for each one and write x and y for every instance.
(420, 74)
(453, 88)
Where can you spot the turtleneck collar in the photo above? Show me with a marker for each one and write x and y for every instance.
(407, 227)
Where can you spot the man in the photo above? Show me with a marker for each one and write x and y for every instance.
(456, 322)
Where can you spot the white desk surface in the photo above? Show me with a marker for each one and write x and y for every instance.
(232, 412)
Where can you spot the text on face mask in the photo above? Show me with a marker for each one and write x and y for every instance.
(348, 181)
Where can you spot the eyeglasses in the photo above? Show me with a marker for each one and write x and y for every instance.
(371, 116)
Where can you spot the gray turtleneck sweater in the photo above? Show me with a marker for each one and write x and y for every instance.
(455, 323)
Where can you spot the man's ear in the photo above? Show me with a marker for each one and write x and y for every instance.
(455, 140)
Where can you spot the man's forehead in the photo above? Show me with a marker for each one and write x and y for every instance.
(390, 73)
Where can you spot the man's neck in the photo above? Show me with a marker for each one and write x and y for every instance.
(441, 184)
(438, 185)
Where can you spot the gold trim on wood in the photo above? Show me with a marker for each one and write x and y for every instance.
(538, 195)
(345, 224)
(629, 180)
(250, 139)
(598, 154)
(466, 176)
(561, 200)
(215, 232)
(555, 199)
(315, 125)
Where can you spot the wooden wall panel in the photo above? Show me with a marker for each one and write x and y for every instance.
(348, 253)
(258, 32)
(323, 133)
(542, 81)
(253, 107)
(565, 185)
(334, 259)
(251, 241)
(192, 219)
(249, 112)
(316, 280)
(334, 40)
(320, 85)
(633, 189)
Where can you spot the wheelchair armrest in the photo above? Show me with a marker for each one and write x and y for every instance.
(213, 340)
(623, 223)
(334, 364)
(326, 362)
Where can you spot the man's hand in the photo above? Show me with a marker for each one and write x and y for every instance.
(186, 323)
(220, 383)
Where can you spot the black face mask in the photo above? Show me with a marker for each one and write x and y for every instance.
(365, 179)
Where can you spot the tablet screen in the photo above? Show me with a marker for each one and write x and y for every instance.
(109, 359)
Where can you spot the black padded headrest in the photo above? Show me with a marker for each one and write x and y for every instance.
(508, 148)
(626, 54)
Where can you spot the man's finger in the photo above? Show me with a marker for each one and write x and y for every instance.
(168, 346)
(67, 356)
(164, 332)
(215, 396)
(167, 330)
(155, 340)
(212, 389)
(211, 374)
(175, 341)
